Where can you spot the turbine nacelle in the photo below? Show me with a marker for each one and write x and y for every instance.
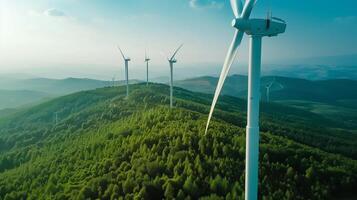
(126, 59)
(147, 59)
(173, 61)
(260, 27)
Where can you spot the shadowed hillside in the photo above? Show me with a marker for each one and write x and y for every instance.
(334, 99)
(283, 88)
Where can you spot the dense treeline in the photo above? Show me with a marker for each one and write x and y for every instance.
(139, 149)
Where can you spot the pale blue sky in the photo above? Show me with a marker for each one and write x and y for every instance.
(78, 37)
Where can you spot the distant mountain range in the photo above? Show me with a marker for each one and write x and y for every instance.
(16, 98)
(16, 92)
(316, 72)
(336, 60)
(20, 92)
(316, 68)
(53, 86)
(283, 88)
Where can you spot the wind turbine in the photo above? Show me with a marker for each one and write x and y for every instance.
(56, 118)
(126, 61)
(172, 60)
(147, 59)
(256, 29)
(268, 86)
(113, 81)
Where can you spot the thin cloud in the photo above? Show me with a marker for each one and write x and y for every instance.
(206, 3)
(54, 13)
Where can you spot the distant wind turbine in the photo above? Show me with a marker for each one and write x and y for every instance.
(268, 86)
(147, 60)
(113, 81)
(256, 29)
(56, 118)
(172, 61)
(126, 61)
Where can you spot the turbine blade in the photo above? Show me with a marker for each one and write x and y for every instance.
(232, 52)
(173, 56)
(247, 9)
(281, 86)
(121, 52)
(279, 20)
(237, 7)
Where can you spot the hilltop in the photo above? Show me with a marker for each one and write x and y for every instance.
(106, 146)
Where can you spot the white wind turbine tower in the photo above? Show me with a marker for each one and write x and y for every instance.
(256, 29)
(172, 60)
(126, 61)
(147, 60)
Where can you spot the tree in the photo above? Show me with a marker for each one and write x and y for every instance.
(290, 173)
(128, 186)
(219, 185)
(190, 186)
(142, 194)
(310, 173)
(180, 195)
(169, 191)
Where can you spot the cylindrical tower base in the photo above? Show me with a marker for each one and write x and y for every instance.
(252, 134)
(147, 72)
(127, 78)
(171, 84)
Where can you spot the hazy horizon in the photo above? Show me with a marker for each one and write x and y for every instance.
(78, 38)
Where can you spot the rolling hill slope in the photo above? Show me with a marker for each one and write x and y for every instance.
(16, 98)
(106, 146)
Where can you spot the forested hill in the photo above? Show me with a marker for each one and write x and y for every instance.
(106, 146)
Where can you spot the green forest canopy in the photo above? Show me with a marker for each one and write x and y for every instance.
(109, 147)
